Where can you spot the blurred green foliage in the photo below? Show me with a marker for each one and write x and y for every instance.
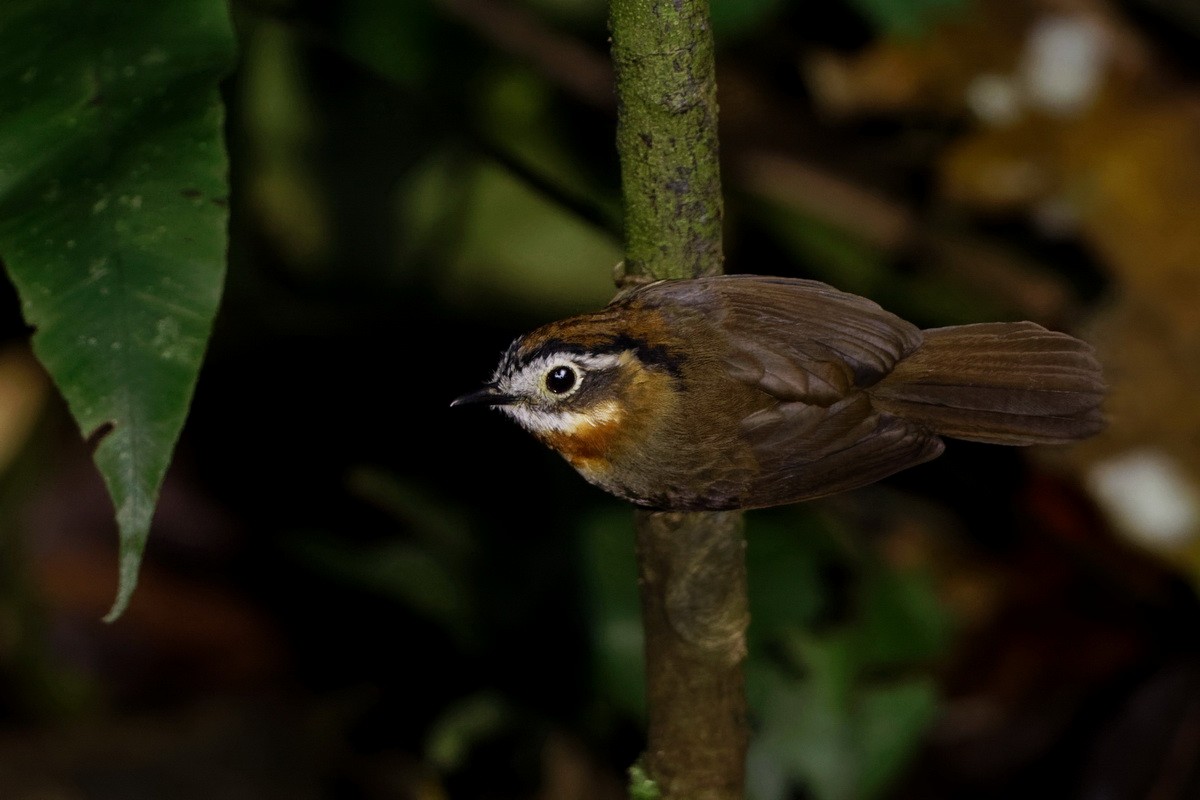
(907, 17)
(509, 242)
(641, 787)
(838, 694)
(839, 645)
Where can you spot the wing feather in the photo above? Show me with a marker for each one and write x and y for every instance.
(808, 451)
(797, 340)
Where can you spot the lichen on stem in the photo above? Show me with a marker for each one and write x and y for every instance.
(663, 56)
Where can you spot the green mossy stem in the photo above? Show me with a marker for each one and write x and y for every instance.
(691, 567)
(667, 137)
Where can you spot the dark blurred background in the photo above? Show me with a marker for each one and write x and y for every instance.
(352, 591)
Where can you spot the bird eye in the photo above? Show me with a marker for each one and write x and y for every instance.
(561, 380)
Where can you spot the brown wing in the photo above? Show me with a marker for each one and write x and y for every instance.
(796, 340)
(814, 349)
(806, 451)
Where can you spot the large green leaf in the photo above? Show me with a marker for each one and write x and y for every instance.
(113, 196)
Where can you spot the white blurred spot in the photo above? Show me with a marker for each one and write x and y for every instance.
(1063, 64)
(1148, 497)
(994, 99)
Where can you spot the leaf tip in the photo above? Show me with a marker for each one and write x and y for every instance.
(127, 582)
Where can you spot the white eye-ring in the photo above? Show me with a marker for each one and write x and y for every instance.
(561, 379)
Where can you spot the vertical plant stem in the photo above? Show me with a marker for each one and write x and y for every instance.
(691, 566)
(667, 137)
(692, 576)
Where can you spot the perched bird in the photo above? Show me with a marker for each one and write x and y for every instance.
(741, 391)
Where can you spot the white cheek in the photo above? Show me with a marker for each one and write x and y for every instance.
(539, 420)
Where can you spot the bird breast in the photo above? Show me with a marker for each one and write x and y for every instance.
(585, 438)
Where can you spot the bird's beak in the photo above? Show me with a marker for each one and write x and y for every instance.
(488, 395)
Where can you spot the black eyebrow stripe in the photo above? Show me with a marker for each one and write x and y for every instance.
(664, 358)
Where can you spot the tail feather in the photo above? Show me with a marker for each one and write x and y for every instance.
(1003, 383)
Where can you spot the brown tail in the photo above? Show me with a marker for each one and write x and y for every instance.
(1003, 383)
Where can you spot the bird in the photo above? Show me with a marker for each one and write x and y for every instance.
(746, 391)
